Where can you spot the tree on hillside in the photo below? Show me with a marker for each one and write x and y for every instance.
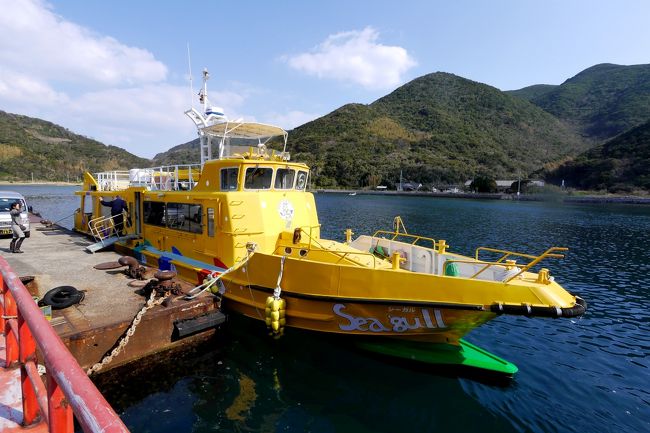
(483, 184)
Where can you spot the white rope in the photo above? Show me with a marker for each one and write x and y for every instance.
(278, 290)
(214, 276)
(152, 302)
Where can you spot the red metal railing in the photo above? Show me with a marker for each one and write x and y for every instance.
(69, 390)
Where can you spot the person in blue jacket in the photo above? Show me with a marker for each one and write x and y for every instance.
(118, 207)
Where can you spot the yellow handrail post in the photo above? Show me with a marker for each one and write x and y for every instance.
(395, 259)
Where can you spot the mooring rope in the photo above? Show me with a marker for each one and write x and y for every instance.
(151, 302)
(214, 277)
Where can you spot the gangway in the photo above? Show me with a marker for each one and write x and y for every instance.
(103, 228)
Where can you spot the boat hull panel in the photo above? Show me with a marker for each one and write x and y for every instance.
(419, 322)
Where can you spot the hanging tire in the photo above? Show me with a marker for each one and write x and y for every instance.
(62, 297)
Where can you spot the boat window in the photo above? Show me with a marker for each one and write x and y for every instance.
(179, 216)
(154, 213)
(184, 216)
(229, 178)
(284, 178)
(301, 183)
(258, 178)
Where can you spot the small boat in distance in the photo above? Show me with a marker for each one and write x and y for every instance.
(243, 225)
(352, 193)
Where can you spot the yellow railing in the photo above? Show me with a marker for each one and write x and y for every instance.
(314, 245)
(396, 235)
(487, 265)
(551, 253)
(398, 225)
(342, 255)
(103, 227)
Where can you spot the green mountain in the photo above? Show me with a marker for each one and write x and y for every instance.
(600, 102)
(439, 128)
(618, 165)
(53, 153)
(530, 93)
(186, 153)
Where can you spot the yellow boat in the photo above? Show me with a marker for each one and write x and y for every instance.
(244, 224)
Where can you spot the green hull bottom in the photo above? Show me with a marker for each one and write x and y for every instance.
(466, 354)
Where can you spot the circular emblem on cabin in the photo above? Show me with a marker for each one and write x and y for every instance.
(285, 209)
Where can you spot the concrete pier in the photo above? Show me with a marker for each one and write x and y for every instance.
(57, 257)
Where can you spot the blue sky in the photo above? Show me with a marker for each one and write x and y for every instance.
(117, 71)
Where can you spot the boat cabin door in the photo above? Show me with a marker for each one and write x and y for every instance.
(137, 213)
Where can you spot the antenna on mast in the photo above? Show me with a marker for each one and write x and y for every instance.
(204, 92)
(189, 63)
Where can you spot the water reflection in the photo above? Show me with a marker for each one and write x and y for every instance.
(244, 381)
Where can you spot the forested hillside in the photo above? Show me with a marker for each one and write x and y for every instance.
(600, 102)
(52, 153)
(439, 128)
(619, 165)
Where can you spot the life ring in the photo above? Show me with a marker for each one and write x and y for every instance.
(62, 297)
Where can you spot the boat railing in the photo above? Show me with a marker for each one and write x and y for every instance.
(504, 260)
(180, 177)
(414, 239)
(348, 256)
(103, 227)
(486, 266)
(69, 391)
(112, 180)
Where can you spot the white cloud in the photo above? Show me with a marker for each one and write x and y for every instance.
(92, 84)
(36, 41)
(290, 120)
(20, 88)
(355, 56)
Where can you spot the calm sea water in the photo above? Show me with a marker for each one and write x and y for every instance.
(585, 375)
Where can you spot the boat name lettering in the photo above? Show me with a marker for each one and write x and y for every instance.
(396, 323)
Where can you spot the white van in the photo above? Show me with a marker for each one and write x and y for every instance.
(7, 198)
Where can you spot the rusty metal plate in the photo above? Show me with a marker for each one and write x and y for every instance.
(108, 265)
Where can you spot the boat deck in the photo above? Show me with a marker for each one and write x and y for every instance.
(57, 257)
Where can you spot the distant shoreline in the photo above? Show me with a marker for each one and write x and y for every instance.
(575, 199)
(36, 183)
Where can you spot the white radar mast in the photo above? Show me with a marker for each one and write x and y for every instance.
(210, 115)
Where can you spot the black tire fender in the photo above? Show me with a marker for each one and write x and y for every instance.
(62, 297)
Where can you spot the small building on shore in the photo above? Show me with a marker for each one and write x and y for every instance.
(510, 186)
